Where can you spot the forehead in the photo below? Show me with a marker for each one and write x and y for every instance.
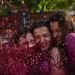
(29, 36)
(41, 31)
(54, 25)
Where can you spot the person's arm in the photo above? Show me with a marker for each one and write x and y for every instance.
(56, 63)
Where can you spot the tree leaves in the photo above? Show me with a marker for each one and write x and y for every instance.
(45, 5)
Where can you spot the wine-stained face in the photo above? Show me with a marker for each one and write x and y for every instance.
(56, 31)
(42, 37)
(30, 39)
(22, 41)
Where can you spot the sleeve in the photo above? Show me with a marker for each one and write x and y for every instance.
(70, 43)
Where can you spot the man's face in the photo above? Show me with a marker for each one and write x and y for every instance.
(57, 34)
(30, 40)
(42, 37)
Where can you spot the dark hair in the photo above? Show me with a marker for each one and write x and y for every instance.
(65, 23)
(41, 24)
(38, 25)
(66, 26)
(19, 33)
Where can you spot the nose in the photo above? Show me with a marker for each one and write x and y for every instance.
(42, 40)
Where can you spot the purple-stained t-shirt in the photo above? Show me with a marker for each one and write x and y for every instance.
(70, 42)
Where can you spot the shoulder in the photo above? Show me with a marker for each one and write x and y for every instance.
(70, 35)
(70, 39)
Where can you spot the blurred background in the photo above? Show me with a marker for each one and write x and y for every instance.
(17, 14)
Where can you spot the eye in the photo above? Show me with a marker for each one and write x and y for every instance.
(32, 41)
(46, 35)
(37, 37)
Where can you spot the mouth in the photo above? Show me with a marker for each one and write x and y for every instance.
(44, 46)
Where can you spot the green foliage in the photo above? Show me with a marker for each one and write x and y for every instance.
(45, 5)
(2, 11)
(16, 3)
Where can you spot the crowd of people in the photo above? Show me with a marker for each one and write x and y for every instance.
(45, 48)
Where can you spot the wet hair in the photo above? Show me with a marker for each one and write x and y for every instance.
(38, 25)
(19, 33)
(64, 21)
(41, 24)
(66, 26)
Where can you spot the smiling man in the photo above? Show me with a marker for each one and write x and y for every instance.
(49, 56)
(42, 36)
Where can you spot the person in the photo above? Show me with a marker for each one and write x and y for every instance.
(60, 26)
(48, 57)
(70, 43)
(39, 29)
(30, 39)
(9, 34)
(7, 37)
(14, 60)
(20, 39)
(25, 44)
